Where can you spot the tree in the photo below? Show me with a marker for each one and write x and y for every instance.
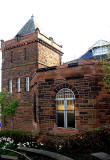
(105, 63)
(8, 106)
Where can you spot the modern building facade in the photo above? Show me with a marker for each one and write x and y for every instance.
(100, 49)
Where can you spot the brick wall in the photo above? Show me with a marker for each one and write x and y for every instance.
(92, 108)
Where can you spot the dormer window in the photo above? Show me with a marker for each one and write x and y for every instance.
(18, 37)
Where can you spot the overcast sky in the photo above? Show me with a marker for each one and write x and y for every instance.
(76, 24)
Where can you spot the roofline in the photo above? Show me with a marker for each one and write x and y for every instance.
(93, 48)
(50, 40)
(12, 43)
(29, 34)
(99, 45)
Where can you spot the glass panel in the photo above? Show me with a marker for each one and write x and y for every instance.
(65, 108)
(65, 93)
(60, 105)
(18, 84)
(27, 83)
(60, 119)
(70, 105)
(71, 119)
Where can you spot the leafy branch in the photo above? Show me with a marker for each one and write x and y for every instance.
(8, 106)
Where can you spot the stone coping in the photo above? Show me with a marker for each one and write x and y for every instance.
(8, 157)
(14, 157)
(53, 155)
(101, 155)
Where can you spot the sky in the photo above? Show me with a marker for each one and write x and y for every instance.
(75, 24)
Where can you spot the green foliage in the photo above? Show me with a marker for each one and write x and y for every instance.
(4, 96)
(105, 63)
(10, 109)
(81, 144)
(8, 106)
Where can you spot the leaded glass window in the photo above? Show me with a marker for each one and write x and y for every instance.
(65, 109)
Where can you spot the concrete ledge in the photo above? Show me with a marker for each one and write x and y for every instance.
(101, 155)
(9, 157)
(53, 155)
(12, 157)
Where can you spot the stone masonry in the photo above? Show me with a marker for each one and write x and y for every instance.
(20, 59)
(33, 55)
(92, 108)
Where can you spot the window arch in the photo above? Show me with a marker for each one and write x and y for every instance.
(65, 109)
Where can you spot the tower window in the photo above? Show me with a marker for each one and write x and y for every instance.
(11, 57)
(10, 86)
(65, 109)
(34, 107)
(25, 54)
(27, 83)
(18, 85)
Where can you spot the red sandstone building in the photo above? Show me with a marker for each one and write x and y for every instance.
(52, 97)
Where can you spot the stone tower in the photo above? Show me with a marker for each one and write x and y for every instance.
(21, 56)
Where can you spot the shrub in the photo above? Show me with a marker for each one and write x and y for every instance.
(85, 142)
(82, 143)
(15, 138)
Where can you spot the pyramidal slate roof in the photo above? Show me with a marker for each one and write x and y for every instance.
(29, 27)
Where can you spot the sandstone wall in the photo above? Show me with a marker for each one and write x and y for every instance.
(92, 108)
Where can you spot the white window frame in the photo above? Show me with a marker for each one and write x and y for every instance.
(70, 96)
(27, 84)
(10, 86)
(18, 85)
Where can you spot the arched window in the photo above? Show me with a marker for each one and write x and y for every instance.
(65, 109)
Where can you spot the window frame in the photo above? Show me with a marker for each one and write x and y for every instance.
(27, 84)
(65, 111)
(18, 85)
